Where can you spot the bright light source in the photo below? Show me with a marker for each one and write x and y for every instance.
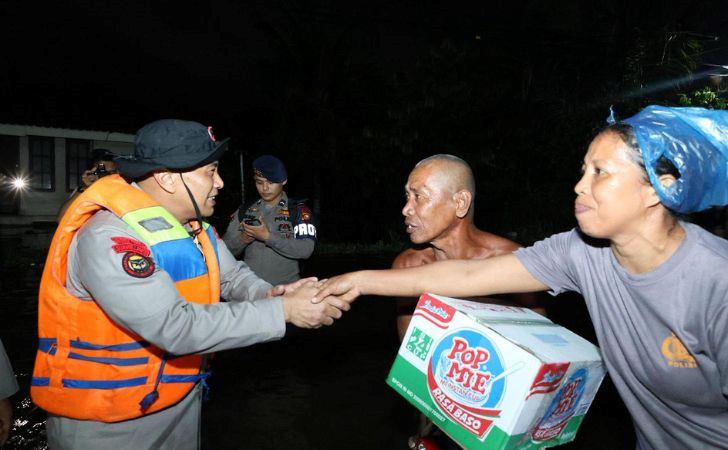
(19, 183)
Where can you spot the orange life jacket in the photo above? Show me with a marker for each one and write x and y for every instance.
(88, 367)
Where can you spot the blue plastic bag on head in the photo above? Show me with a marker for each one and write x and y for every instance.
(695, 140)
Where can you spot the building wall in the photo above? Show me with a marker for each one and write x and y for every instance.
(43, 206)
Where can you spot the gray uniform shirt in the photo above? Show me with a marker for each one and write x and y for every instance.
(152, 308)
(8, 383)
(292, 237)
(662, 334)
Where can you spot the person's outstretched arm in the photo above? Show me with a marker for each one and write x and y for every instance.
(455, 278)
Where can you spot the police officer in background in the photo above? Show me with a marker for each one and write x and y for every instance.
(101, 164)
(275, 231)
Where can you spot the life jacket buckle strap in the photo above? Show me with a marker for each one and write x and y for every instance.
(153, 396)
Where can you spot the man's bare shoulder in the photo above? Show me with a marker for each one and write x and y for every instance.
(495, 245)
(413, 257)
(497, 242)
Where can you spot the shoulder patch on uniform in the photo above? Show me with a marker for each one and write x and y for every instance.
(137, 265)
(136, 261)
(305, 212)
(129, 245)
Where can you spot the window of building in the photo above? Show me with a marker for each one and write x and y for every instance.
(78, 154)
(42, 163)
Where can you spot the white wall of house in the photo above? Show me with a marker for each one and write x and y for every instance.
(42, 206)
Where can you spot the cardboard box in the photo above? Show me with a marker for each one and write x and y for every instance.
(496, 377)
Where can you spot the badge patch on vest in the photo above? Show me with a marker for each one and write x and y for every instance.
(136, 261)
(305, 213)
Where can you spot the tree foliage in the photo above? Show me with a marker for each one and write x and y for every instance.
(706, 97)
(518, 96)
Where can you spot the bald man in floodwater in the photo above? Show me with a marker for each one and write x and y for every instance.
(440, 192)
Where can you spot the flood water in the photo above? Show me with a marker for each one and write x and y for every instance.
(315, 389)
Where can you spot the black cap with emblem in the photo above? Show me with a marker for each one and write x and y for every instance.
(170, 144)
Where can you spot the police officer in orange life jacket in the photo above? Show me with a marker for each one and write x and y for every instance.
(129, 300)
(276, 231)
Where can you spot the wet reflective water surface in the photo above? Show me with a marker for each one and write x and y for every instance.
(22, 253)
(315, 389)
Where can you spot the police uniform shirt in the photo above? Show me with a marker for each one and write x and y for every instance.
(292, 238)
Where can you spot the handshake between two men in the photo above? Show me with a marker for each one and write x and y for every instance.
(302, 309)
(305, 307)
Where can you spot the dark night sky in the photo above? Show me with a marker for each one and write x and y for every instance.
(127, 62)
(134, 61)
(121, 63)
(357, 91)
